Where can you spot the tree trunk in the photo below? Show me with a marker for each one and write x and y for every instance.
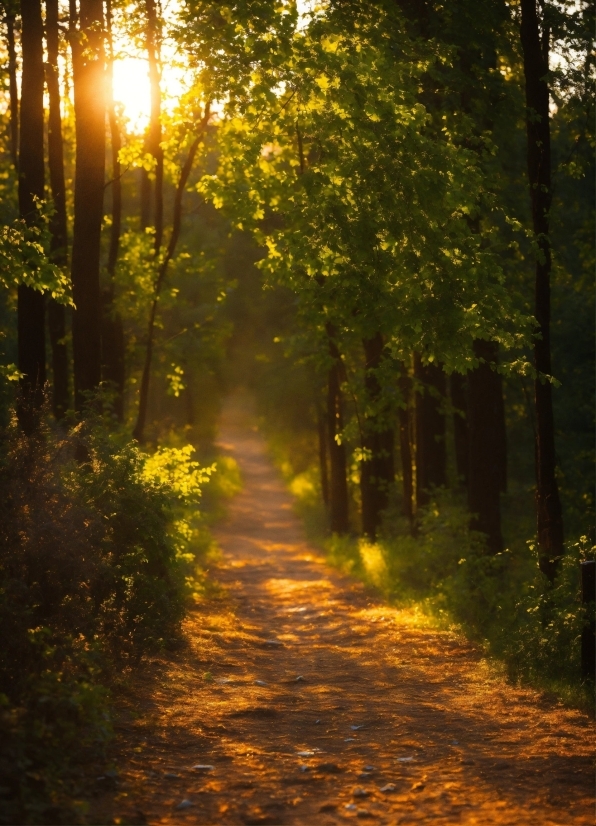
(485, 469)
(377, 473)
(548, 504)
(459, 401)
(338, 489)
(431, 454)
(12, 90)
(90, 111)
(145, 198)
(154, 132)
(30, 302)
(322, 434)
(190, 403)
(501, 430)
(112, 330)
(139, 430)
(405, 444)
(58, 223)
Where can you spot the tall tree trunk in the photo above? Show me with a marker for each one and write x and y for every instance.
(145, 192)
(501, 429)
(322, 434)
(30, 302)
(431, 453)
(338, 488)
(548, 504)
(58, 223)
(485, 470)
(112, 330)
(405, 444)
(12, 89)
(139, 430)
(459, 401)
(90, 112)
(190, 402)
(152, 191)
(377, 473)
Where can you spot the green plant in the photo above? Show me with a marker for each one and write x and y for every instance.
(95, 548)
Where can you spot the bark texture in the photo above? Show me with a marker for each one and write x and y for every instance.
(324, 470)
(459, 401)
(405, 444)
(12, 89)
(431, 454)
(58, 224)
(152, 190)
(338, 488)
(486, 445)
(535, 46)
(112, 330)
(90, 110)
(139, 430)
(30, 302)
(377, 473)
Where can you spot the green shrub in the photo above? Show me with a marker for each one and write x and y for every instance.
(95, 551)
(502, 601)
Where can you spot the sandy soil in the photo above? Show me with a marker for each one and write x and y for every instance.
(305, 700)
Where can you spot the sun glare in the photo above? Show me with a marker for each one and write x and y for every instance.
(132, 90)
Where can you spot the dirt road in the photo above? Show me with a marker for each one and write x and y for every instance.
(302, 699)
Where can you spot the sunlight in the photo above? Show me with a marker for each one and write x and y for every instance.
(131, 87)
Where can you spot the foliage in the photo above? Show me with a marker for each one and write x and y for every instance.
(366, 209)
(93, 555)
(502, 601)
(24, 259)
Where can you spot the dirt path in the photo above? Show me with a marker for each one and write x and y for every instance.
(314, 704)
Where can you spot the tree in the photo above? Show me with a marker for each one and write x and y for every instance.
(86, 39)
(485, 444)
(405, 422)
(535, 46)
(31, 302)
(322, 437)
(112, 332)
(13, 94)
(338, 486)
(377, 472)
(152, 191)
(365, 203)
(431, 451)
(139, 429)
(58, 222)
(459, 402)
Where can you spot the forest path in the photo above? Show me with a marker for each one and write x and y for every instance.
(314, 703)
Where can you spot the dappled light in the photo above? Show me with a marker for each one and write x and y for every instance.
(296, 412)
(313, 702)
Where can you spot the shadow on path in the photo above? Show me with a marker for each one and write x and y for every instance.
(315, 703)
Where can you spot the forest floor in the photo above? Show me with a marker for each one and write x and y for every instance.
(300, 698)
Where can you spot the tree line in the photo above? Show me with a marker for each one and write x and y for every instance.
(79, 40)
(373, 154)
(395, 164)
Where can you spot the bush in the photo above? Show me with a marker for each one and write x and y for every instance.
(94, 554)
(502, 601)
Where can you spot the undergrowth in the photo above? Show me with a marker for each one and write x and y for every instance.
(503, 602)
(101, 548)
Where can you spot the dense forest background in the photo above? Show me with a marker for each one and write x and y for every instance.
(376, 219)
